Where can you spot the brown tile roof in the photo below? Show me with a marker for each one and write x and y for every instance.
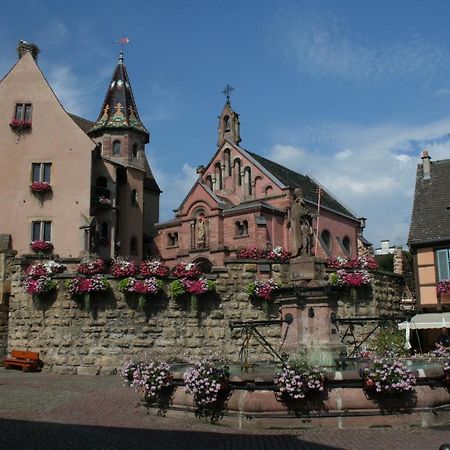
(309, 187)
(430, 221)
(84, 124)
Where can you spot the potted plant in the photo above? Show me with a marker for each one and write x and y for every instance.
(154, 268)
(299, 379)
(40, 187)
(388, 376)
(41, 246)
(207, 382)
(122, 268)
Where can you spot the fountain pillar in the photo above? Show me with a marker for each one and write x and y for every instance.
(309, 301)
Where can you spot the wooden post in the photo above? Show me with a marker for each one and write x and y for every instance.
(319, 194)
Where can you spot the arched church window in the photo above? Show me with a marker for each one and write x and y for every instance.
(347, 245)
(325, 239)
(116, 148)
(219, 181)
(204, 265)
(244, 228)
(248, 180)
(209, 182)
(268, 191)
(237, 172)
(172, 240)
(135, 150)
(227, 156)
(226, 123)
(134, 198)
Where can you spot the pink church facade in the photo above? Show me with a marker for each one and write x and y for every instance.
(241, 200)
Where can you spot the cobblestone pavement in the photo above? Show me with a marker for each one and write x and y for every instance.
(48, 411)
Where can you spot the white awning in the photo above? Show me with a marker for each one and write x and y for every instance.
(429, 320)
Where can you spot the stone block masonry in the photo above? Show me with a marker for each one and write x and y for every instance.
(97, 340)
(72, 339)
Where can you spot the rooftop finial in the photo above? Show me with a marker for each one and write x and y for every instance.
(227, 91)
(121, 58)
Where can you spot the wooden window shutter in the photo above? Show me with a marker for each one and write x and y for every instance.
(442, 263)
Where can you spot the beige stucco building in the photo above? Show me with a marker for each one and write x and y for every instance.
(96, 190)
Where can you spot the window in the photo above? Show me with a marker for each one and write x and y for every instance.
(248, 180)
(41, 231)
(346, 245)
(325, 240)
(443, 263)
(227, 156)
(23, 112)
(134, 198)
(116, 148)
(41, 172)
(135, 150)
(172, 240)
(241, 228)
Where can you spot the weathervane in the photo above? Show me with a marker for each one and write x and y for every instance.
(227, 91)
(122, 41)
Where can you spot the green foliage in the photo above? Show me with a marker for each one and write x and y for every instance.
(211, 286)
(390, 342)
(176, 289)
(333, 278)
(250, 289)
(385, 262)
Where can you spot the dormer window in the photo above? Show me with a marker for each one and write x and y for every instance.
(116, 148)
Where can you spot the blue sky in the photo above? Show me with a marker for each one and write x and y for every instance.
(348, 92)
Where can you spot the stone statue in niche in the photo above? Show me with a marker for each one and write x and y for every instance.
(200, 231)
(301, 225)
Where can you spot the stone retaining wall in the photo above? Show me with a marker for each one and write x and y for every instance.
(73, 339)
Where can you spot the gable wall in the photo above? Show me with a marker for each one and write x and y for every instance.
(54, 137)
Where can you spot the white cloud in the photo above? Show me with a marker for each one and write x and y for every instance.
(321, 45)
(68, 88)
(371, 168)
(174, 185)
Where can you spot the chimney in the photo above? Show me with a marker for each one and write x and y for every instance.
(24, 47)
(426, 165)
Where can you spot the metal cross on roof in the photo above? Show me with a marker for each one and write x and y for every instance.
(227, 91)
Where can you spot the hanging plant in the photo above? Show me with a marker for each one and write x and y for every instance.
(154, 268)
(262, 289)
(123, 268)
(91, 266)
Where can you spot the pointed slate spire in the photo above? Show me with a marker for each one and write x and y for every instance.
(119, 108)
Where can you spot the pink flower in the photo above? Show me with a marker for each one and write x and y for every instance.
(40, 187)
(41, 246)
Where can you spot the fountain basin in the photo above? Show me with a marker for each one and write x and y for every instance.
(253, 402)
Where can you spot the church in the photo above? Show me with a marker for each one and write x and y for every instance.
(242, 199)
(71, 186)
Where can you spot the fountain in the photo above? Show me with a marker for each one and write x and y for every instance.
(309, 324)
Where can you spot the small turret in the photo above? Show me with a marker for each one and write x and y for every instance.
(119, 108)
(229, 127)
